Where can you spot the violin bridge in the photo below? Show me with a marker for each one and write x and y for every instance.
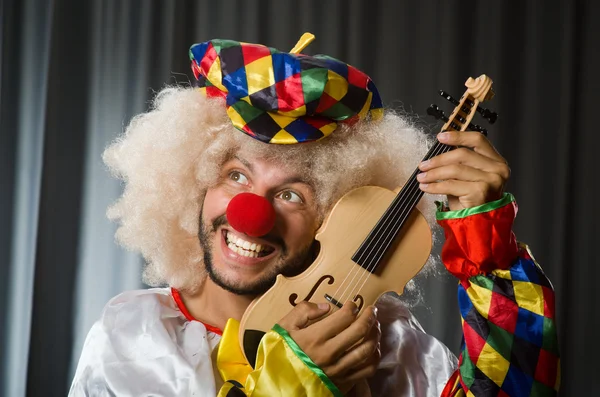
(333, 300)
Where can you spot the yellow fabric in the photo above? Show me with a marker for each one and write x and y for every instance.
(298, 112)
(226, 389)
(215, 74)
(278, 371)
(529, 296)
(260, 74)
(481, 298)
(337, 86)
(495, 366)
(234, 115)
(303, 42)
(231, 362)
(376, 114)
(283, 137)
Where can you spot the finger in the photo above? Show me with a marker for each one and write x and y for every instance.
(366, 371)
(470, 193)
(469, 158)
(360, 357)
(337, 322)
(357, 331)
(461, 172)
(363, 351)
(473, 140)
(304, 313)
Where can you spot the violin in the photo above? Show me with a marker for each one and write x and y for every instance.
(373, 241)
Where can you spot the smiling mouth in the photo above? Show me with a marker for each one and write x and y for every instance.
(246, 248)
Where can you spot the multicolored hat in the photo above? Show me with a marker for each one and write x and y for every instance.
(283, 98)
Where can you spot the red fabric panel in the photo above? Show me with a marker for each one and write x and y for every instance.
(480, 243)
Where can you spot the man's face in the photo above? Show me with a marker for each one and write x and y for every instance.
(248, 265)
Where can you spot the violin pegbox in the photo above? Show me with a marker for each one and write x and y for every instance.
(478, 90)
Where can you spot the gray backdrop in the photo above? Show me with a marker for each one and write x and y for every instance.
(74, 72)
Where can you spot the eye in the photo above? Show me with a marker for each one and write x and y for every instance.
(238, 177)
(290, 196)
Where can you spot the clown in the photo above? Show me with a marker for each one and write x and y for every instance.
(226, 187)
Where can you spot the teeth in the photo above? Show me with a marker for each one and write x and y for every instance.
(243, 247)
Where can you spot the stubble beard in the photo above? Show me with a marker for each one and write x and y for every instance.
(287, 266)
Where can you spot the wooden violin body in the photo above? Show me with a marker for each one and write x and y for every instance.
(373, 241)
(334, 273)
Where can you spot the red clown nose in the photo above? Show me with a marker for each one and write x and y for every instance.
(251, 214)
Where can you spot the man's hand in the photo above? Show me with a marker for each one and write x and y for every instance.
(344, 347)
(470, 175)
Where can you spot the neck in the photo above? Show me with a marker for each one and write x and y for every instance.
(213, 305)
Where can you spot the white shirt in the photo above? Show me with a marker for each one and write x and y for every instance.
(143, 345)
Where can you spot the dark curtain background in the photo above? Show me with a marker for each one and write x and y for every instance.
(73, 73)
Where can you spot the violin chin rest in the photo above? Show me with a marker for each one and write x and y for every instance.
(250, 344)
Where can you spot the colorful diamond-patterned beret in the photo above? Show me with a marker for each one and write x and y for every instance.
(283, 98)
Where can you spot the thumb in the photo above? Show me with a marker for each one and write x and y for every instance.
(304, 314)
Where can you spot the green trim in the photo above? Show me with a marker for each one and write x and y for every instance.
(307, 361)
(507, 198)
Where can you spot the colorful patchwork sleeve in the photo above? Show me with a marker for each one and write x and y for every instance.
(509, 345)
(282, 368)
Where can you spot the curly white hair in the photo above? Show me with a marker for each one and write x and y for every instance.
(169, 156)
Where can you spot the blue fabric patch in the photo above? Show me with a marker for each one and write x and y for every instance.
(530, 327)
(464, 302)
(524, 270)
(285, 66)
(337, 66)
(237, 85)
(517, 383)
(198, 50)
(303, 131)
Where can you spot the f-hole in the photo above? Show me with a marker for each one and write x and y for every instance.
(293, 297)
(359, 301)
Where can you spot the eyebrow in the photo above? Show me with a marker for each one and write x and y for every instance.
(246, 163)
(290, 180)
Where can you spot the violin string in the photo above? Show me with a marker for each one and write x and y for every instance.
(373, 259)
(374, 241)
(411, 185)
(389, 230)
(379, 254)
(379, 229)
(386, 230)
(402, 212)
(355, 271)
(434, 151)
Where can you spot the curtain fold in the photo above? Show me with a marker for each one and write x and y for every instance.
(72, 74)
(28, 26)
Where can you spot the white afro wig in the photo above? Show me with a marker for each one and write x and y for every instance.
(170, 155)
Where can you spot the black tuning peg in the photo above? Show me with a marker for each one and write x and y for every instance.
(449, 98)
(435, 111)
(475, 127)
(487, 114)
